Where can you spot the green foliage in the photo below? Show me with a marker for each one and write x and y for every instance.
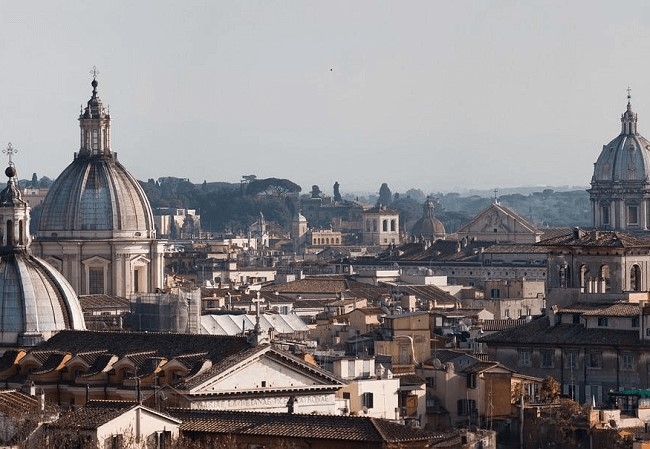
(385, 195)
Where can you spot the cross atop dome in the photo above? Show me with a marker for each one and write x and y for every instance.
(629, 118)
(10, 151)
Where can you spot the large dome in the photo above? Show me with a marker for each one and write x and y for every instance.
(428, 227)
(95, 197)
(626, 159)
(37, 301)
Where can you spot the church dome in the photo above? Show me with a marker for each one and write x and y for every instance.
(428, 226)
(625, 159)
(95, 196)
(37, 301)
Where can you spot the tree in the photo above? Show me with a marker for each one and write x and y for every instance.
(315, 191)
(550, 390)
(272, 187)
(337, 193)
(385, 195)
(34, 181)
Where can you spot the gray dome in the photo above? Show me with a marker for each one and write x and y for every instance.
(36, 300)
(96, 197)
(428, 226)
(627, 157)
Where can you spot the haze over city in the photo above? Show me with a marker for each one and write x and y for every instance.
(436, 95)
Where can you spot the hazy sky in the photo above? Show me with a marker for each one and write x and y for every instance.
(440, 95)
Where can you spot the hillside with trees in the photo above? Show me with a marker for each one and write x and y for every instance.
(232, 207)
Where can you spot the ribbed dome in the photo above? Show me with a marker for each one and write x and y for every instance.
(96, 197)
(36, 301)
(428, 226)
(627, 157)
(96, 194)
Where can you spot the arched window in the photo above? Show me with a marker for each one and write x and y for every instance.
(10, 232)
(583, 278)
(604, 279)
(384, 225)
(393, 226)
(635, 278)
(21, 233)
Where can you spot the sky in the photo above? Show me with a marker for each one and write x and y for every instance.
(436, 95)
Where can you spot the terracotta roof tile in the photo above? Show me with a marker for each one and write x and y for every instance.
(539, 332)
(327, 427)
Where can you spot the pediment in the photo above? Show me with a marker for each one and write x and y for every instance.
(268, 370)
(498, 220)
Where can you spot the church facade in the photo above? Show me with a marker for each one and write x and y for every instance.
(96, 225)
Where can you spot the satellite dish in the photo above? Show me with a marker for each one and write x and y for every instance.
(437, 364)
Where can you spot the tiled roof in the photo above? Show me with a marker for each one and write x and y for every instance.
(549, 233)
(411, 379)
(12, 402)
(52, 363)
(479, 367)
(102, 363)
(9, 358)
(428, 293)
(92, 415)
(621, 309)
(598, 239)
(90, 302)
(162, 344)
(313, 284)
(284, 425)
(516, 248)
(539, 332)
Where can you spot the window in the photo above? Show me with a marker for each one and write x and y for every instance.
(95, 139)
(367, 400)
(471, 380)
(506, 314)
(576, 318)
(635, 321)
(647, 332)
(605, 215)
(495, 293)
(524, 357)
(628, 361)
(632, 215)
(346, 395)
(602, 321)
(594, 359)
(546, 358)
(466, 406)
(96, 280)
(571, 359)
(431, 382)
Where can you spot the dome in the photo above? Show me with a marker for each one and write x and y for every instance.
(95, 196)
(428, 226)
(626, 158)
(37, 301)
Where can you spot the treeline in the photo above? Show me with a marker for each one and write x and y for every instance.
(233, 207)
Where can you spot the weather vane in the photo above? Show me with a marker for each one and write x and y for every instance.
(10, 151)
(629, 94)
(94, 72)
